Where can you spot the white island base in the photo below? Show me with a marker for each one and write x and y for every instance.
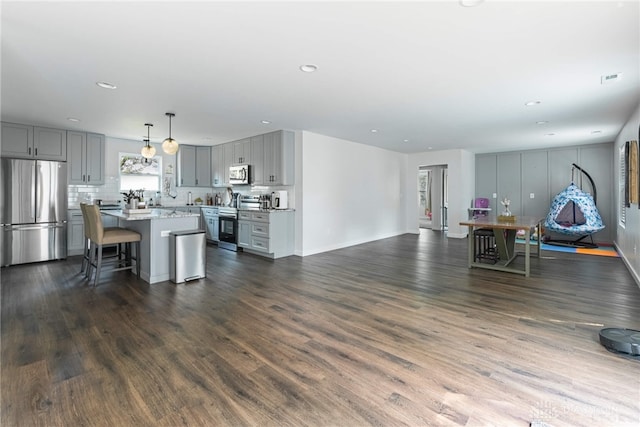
(154, 246)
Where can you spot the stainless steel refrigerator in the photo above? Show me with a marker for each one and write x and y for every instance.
(33, 211)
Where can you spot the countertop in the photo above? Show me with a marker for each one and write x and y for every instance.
(266, 210)
(164, 213)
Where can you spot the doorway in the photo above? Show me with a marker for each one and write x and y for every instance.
(433, 197)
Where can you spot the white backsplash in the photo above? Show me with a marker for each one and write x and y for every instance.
(111, 191)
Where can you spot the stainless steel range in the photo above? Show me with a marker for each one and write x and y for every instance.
(228, 228)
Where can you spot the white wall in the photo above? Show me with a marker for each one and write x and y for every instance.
(348, 193)
(461, 169)
(628, 237)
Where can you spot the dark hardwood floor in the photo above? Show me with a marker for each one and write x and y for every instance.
(397, 332)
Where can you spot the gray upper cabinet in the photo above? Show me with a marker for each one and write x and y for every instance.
(270, 155)
(203, 166)
(241, 151)
(279, 158)
(29, 142)
(194, 166)
(257, 157)
(86, 158)
(186, 166)
(217, 165)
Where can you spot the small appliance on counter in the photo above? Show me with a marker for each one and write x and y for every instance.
(279, 200)
(250, 203)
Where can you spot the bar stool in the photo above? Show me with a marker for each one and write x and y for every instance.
(99, 236)
(86, 252)
(485, 245)
(86, 249)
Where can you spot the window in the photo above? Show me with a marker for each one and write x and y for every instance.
(139, 173)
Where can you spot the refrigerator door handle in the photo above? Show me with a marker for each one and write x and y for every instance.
(32, 199)
(9, 227)
(38, 190)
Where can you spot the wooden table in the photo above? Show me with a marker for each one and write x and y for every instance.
(505, 235)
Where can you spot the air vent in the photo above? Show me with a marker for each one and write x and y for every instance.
(610, 78)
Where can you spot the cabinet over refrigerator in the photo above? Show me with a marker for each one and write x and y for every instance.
(33, 211)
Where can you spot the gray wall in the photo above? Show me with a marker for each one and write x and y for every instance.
(543, 174)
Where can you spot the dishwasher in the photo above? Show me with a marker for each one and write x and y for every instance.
(187, 255)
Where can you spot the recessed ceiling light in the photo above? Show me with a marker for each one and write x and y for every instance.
(374, 130)
(405, 140)
(308, 68)
(265, 122)
(549, 134)
(429, 148)
(73, 119)
(530, 103)
(542, 122)
(106, 85)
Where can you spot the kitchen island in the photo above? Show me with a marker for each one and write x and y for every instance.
(154, 227)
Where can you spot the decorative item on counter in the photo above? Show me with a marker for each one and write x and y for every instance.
(189, 199)
(198, 201)
(209, 199)
(218, 200)
(134, 199)
(506, 215)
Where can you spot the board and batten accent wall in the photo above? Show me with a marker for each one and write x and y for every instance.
(348, 193)
(627, 236)
(543, 174)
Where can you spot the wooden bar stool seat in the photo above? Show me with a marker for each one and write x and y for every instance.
(100, 236)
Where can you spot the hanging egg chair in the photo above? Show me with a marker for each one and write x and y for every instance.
(574, 213)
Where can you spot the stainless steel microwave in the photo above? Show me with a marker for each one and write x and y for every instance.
(240, 174)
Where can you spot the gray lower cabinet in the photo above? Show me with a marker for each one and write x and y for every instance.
(32, 142)
(211, 222)
(270, 234)
(75, 230)
(86, 158)
(190, 209)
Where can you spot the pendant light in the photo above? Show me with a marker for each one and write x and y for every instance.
(148, 151)
(170, 145)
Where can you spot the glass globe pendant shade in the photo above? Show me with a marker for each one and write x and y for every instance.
(148, 151)
(170, 146)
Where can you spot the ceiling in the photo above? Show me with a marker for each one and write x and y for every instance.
(425, 75)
